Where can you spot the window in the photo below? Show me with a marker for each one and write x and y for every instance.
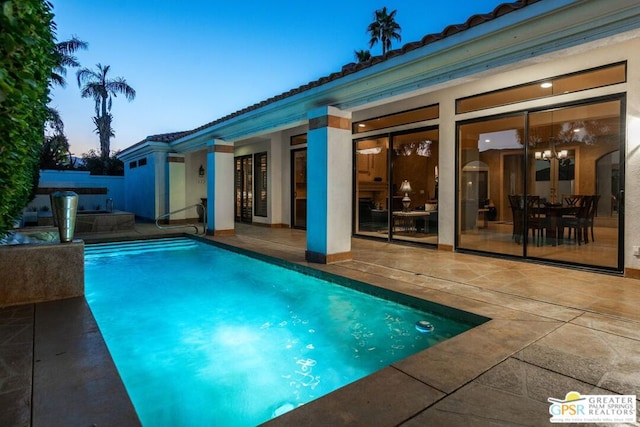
(583, 80)
(260, 179)
(299, 139)
(405, 117)
(142, 162)
(133, 164)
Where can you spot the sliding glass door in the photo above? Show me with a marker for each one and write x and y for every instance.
(243, 189)
(299, 188)
(544, 184)
(574, 158)
(397, 186)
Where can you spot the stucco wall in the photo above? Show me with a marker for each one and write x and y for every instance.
(140, 188)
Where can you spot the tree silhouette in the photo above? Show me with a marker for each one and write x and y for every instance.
(96, 85)
(362, 55)
(384, 29)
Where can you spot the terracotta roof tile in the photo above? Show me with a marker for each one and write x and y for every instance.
(351, 68)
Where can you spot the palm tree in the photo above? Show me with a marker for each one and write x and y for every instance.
(384, 29)
(64, 51)
(96, 85)
(55, 143)
(362, 55)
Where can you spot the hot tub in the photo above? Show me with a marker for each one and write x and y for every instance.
(104, 221)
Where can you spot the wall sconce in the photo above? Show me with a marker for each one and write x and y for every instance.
(201, 171)
(405, 188)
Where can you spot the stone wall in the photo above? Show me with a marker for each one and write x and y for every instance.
(41, 272)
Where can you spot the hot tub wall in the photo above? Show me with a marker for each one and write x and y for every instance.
(41, 272)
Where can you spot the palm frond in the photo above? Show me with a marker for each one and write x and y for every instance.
(68, 47)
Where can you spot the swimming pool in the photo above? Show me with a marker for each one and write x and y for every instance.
(206, 336)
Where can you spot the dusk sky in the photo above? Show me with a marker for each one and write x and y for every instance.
(196, 61)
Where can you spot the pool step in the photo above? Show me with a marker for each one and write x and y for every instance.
(137, 247)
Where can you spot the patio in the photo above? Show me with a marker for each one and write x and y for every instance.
(552, 331)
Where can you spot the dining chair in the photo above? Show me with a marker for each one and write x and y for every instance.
(517, 213)
(590, 217)
(536, 219)
(571, 199)
(579, 222)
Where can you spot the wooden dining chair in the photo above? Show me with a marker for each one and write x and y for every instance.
(536, 219)
(571, 199)
(591, 216)
(517, 212)
(579, 222)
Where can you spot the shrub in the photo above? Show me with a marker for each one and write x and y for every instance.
(98, 165)
(26, 61)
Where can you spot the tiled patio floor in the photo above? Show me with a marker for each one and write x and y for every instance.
(552, 331)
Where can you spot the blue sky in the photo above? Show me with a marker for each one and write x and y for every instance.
(196, 61)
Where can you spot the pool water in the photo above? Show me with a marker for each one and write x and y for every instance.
(205, 336)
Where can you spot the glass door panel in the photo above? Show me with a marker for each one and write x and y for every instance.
(299, 188)
(372, 184)
(575, 158)
(243, 189)
(414, 186)
(491, 175)
(557, 197)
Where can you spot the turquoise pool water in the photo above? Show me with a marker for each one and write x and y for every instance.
(205, 336)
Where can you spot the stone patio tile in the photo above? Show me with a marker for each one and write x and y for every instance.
(459, 295)
(385, 398)
(617, 307)
(615, 326)
(599, 358)
(512, 393)
(450, 364)
(16, 365)
(16, 408)
(75, 380)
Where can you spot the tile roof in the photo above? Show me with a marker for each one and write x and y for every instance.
(351, 68)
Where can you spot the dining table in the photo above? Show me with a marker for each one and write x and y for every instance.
(554, 213)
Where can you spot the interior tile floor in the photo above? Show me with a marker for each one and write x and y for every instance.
(552, 330)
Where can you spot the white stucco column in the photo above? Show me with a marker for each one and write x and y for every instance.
(177, 186)
(329, 185)
(631, 196)
(220, 188)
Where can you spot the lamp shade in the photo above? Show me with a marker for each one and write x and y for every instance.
(405, 187)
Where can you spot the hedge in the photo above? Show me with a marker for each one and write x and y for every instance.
(26, 60)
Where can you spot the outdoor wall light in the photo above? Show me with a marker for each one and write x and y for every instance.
(201, 171)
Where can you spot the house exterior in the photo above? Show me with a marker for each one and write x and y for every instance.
(515, 134)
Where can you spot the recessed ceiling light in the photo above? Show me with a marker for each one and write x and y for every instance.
(361, 125)
(546, 85)
(487, 140)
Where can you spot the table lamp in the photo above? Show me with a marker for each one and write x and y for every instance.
(405, 188)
